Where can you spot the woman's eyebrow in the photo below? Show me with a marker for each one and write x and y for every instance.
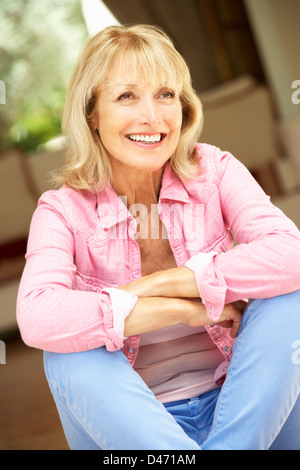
(114, 87)
(134, 85)
(131, 85)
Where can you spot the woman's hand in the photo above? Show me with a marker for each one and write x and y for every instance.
(195, 315)
(231, 318)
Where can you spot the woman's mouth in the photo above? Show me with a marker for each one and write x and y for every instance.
(146, 139)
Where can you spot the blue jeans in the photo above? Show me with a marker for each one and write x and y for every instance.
(104, 404)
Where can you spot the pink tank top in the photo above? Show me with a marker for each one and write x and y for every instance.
(178, 362)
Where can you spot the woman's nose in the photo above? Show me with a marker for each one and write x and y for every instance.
(149, 112)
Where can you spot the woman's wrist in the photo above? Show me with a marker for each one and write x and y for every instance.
(192, 312)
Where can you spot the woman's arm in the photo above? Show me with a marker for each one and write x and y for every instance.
(175, 282)
(265, 263)
(51, 313)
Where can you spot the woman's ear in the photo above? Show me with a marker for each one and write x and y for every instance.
(91, 113)
(93, 123)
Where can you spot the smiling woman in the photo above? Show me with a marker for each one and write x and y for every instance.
(112, 70)
(133, 285)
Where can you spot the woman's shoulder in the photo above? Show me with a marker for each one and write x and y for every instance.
(66, 195)
(205, 149)
(213, 160)
(76, 208)
(68, 200)
(210, 152)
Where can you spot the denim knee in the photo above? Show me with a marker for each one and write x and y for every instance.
(284, 308)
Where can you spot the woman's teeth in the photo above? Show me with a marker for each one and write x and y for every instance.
(146, 139)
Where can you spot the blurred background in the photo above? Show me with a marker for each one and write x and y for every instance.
(244, 60)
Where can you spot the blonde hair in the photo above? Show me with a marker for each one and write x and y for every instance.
(146, 48)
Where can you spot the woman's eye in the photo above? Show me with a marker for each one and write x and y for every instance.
(168, 94)
(125, 96)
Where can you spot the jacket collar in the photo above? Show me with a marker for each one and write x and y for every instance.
(172, 187)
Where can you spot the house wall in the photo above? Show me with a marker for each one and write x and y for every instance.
(275, 25)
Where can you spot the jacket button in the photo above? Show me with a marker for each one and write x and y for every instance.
(226, 349)
(131, 350)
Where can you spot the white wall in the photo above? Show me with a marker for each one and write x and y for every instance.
(275, 25)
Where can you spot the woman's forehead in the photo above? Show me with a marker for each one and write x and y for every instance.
(131, 74)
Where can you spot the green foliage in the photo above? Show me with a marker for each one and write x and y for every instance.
(39, 45)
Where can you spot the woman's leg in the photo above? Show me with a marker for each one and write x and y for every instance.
(104, 404)
(263, 381)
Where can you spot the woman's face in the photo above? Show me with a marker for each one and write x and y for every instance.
(139, 123)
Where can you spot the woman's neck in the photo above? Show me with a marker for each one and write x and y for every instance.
(138, 186)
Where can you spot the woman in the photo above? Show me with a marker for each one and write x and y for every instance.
(132, 285)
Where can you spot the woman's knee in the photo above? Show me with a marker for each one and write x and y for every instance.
(83, 370)
(284, 309)
(273, 325)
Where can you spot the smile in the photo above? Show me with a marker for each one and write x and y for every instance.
(146, 139)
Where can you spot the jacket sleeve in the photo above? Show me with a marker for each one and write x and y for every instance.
(266, 261)
(51, 314)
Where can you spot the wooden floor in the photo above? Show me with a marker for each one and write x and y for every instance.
(28, 416)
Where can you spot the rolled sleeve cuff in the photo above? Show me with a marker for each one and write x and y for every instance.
(210, 282)
(116, 305)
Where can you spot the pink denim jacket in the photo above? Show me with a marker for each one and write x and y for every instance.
(81, 247)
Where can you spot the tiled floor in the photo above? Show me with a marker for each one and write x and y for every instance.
(28, 417)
